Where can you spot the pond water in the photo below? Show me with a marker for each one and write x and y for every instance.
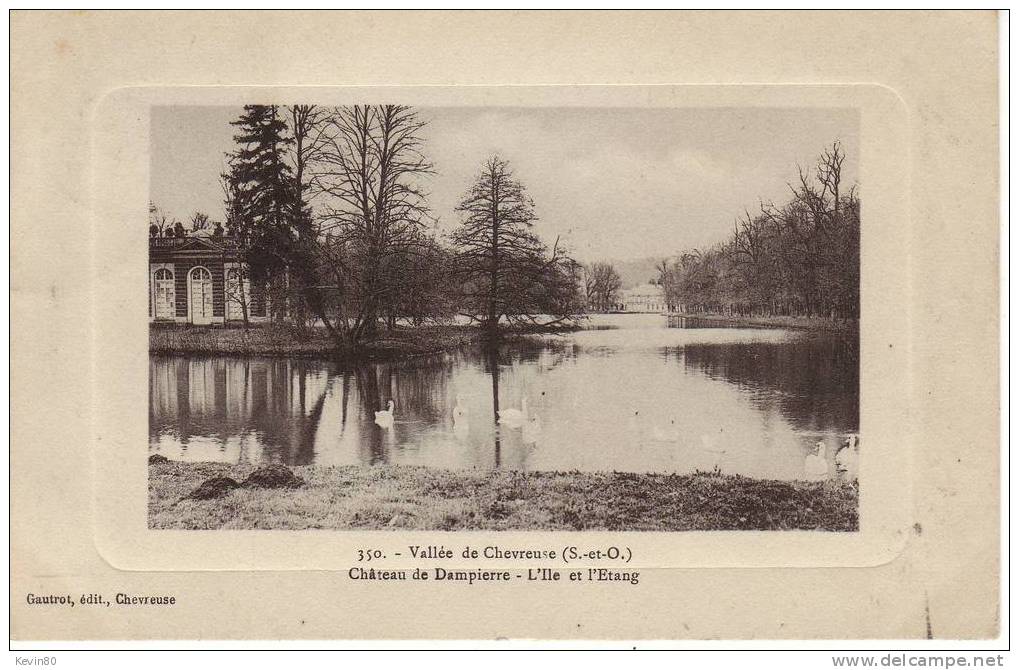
(629, 393)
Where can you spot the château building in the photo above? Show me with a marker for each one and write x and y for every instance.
(644, 298)
(200, 280)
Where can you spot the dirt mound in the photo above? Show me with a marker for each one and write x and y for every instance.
(212, 488)
(158, 458)
(273, 477)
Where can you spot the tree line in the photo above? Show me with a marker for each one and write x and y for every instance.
(328, 207)
(602, 285)
(801, 258)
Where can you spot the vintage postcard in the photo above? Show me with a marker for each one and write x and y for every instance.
(438, 343)
(608, 343)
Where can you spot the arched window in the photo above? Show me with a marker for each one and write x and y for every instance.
(163, 294)
(238, 295)
(200, 294)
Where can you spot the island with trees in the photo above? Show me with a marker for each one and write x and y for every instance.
(329, 210)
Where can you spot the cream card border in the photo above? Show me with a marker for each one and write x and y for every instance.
(121, 187)
(943, 580)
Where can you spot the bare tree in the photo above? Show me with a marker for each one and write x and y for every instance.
(309, 139)
(506, 271)
(237, 291)
(158, 221)
(602, 284)
(199, 222)
(369, 170)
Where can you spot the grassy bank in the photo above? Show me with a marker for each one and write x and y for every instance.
(815, 323)
(265, 340)
(401, 342)
(401, 497)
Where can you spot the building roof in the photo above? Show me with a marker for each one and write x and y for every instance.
(192, 243)
(644, 289)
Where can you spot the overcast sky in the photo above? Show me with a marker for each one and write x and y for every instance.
(615, 183)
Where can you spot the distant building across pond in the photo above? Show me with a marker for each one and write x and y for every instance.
(200, 280)
(644, 298)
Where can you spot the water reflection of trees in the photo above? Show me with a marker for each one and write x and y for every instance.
(418, 390)
(814, 381)
(296, 411)
(281, 402)
(510, 446)
(492, 355)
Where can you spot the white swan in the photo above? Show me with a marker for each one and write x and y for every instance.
(847, 459)
(461, 423)
(384, 417)
(514, 417)
(815, 466)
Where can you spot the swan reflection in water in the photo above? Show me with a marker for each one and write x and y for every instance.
(815, 466)
(461, 420)
(743, 401)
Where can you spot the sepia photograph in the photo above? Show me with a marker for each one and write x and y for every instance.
(509, 330)
(395, 317)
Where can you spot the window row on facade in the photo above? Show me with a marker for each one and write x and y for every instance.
(200, 281)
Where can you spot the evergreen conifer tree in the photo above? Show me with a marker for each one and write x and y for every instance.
(262, 190)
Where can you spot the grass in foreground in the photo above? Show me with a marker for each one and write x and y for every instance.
(402, 497)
